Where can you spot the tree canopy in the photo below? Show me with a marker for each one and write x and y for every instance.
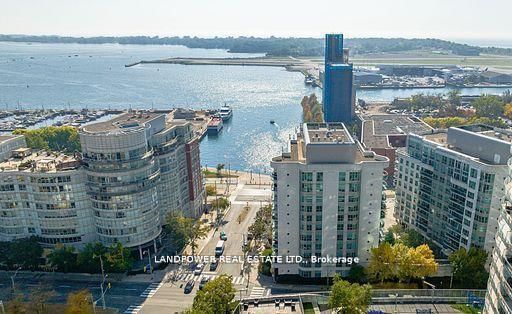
(261, 228)
(184, 231)
(349, 298)
(390, 262)
(79, 302)
(62, 138)
(468, 267)
(489, 106)
(25, 253)
(312, 110)
(216, 297)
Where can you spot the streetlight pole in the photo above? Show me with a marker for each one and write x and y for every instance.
(2, 307)
(14, 276)
(433, 289)
(102, 283)
(149, 260)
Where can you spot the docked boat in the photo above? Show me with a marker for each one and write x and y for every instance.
(309, 80)
(214, 126)
(225, 113)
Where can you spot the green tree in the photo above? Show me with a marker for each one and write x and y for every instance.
(79, 302)
(389, 237)
(220, 205)
(401, 262)
(357, 274)
(118, 259)
(63, 258)
(468, 267)
(506, 97)
(211, 190)
(349, 298)
(63, 138)
(489, 106)
(454, 101)
(185, 231)
(88, 258)
(382, 263)
(216, 297)
(411, 238)
(261, 229)
(25, 252)
(265, 267)
(219, 170)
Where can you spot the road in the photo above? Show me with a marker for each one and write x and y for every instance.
(170, 297)
(120, 296)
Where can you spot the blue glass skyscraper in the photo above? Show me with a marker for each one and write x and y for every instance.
(338, 90)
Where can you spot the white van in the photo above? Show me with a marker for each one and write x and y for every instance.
(219, 249)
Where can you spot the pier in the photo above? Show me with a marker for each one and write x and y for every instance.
(306, 67)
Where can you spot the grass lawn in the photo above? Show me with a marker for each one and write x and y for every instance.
(213, 174)
(308, 308)
(463, 308)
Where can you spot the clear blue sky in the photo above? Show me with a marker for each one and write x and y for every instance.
(448, 19)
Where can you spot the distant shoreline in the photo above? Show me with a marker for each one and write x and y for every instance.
(276, 46)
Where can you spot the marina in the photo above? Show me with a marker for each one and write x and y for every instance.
(31, 119)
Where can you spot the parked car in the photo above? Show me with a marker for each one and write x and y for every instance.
(214, 264)
(199, 269)
(249, 236)
(223, 236)
(189, 286)
(203, 282)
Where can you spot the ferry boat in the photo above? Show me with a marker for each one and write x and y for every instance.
(225, 113)
(214, 126)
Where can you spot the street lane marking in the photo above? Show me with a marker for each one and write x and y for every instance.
(151, 290)
(133, 309)
(257, 292)
(131, 289)
(63, 286)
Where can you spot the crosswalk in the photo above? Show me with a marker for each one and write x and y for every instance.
(133, 309)
(237, 280)
(148, 293)
(151, 290)
(258, 292)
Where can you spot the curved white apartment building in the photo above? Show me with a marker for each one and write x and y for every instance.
(134, 170)
(43, 194)
(121, 179)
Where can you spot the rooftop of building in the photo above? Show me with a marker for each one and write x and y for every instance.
(485, 143)
(325, 143)
(489, 131)
(24, 159)
(128, 120)
(326, 133)
(377, 128)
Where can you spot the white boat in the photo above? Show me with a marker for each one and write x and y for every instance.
(214, 126)
(225, 113)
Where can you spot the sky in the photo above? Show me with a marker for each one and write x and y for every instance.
(446, 19)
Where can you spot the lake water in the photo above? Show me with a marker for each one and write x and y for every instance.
(94, 76)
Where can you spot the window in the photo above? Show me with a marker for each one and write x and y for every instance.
(319, 177)
(354, 176)
(307, 176)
